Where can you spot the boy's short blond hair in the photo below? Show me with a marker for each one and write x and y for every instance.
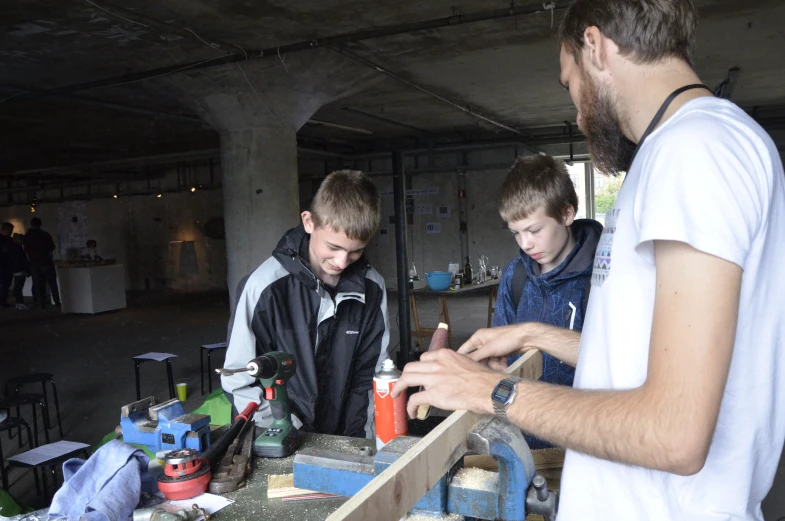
(537, 181)
(348, 202)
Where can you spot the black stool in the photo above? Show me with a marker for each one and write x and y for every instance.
(9, 424)
(51, 465)
(31, 399)
(155, 357)
(18, 382)
(209, 348)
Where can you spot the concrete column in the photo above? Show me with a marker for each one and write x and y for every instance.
(260, 189)
(257, 108)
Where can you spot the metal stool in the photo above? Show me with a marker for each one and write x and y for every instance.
(209, 348)
(31, 399)
(51, 465)
(155, 357)
(18, 382)
(9, 424)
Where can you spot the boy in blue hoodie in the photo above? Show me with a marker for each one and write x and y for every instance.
(549, 281)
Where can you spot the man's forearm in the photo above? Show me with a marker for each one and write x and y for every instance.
(624, 426)
(562, 344)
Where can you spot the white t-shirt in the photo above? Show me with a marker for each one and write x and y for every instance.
(712, 178)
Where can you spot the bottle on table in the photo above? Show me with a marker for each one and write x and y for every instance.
(467, 272)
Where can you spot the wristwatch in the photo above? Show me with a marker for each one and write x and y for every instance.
(503, 395)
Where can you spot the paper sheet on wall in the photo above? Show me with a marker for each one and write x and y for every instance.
(433, 228)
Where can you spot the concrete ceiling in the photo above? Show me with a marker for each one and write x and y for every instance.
(505, 69)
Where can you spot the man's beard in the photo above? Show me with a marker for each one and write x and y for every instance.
(610, 150)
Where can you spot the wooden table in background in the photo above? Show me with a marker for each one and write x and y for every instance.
(491, 286)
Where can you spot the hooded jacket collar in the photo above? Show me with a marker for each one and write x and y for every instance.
(292, 253)
(578, 262)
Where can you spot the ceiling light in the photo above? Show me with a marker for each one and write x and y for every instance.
(193, 188)
(115, 196)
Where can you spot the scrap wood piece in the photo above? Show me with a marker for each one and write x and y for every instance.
(543, 459)
(282, 486)
(548, 458)
(393, 493)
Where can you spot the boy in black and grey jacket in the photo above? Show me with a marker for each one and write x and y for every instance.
(319, 299)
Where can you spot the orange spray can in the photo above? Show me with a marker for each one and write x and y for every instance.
(390, 414)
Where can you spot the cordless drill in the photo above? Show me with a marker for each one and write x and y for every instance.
(273, 370)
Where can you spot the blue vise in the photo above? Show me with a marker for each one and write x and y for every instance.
(509, 494)
(164, 426)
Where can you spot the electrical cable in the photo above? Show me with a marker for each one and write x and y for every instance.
(213, 45)
(159, 75)
(117, 15)
(265, 105)
(128, 82)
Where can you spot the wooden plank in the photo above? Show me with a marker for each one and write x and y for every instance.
(395, 491)
(544, 459)
(282, 486)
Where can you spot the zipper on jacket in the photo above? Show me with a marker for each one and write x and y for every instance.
(300, 260)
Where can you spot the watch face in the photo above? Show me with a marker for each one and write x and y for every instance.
(502, 392)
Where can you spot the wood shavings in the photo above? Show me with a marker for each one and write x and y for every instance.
(475, 478)
(423, 517)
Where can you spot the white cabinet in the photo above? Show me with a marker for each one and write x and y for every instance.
(93, 289)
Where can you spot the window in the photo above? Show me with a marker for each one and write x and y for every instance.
(601, 192)
(606, 188)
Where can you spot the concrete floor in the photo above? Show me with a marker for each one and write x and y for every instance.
(90, 357)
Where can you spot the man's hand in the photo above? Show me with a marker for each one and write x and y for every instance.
(492, 346)
(451, 381)
(496, 344)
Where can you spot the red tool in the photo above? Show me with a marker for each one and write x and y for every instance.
(187, 474)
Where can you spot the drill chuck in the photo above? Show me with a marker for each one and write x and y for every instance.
(263, 367)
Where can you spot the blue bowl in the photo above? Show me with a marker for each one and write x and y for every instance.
(438, 280)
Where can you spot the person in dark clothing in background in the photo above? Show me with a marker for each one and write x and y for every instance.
(39, 247)
(20, 267)
(6, 273)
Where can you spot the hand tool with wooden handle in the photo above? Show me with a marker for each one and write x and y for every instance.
(438, 341)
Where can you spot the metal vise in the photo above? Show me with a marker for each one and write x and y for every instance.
(509, 494)
(164, 426)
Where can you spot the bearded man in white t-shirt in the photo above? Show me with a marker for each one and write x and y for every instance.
(677, 409)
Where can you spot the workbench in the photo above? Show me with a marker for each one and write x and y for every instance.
(491, 286)
(251, 503)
